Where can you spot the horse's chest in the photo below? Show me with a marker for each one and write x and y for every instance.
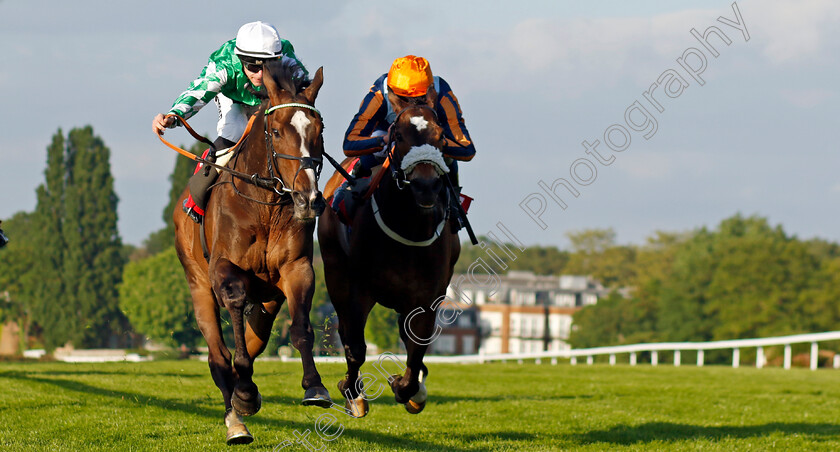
(408, 274)
(257, 260)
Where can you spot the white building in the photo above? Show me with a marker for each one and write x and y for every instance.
(517, 312)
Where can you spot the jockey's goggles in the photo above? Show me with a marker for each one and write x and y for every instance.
(252, 64)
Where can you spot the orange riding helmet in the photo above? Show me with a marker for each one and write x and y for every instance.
(410, 76)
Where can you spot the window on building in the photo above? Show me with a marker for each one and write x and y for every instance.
(468, 345)
(445, 344)
(465, 320)
(565, 300)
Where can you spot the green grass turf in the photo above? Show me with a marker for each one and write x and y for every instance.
(173, 405)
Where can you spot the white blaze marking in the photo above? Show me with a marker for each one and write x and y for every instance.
(419, 122)
(300, 122)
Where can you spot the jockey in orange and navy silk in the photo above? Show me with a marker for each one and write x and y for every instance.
(408, 77)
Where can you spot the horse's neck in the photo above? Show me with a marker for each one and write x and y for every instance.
(253, 158)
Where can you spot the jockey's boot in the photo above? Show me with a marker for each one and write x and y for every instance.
(359, 172)
(454, 204)
(348, 197)
(189, 208)
(199, 184)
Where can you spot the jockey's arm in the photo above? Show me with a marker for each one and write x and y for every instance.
(458, 144)
(201, 91)
(359, 138)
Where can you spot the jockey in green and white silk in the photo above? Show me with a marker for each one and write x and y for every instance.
(225, 80)
(233, 77)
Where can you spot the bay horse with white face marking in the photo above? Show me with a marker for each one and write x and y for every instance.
(400, 253)
(259, 238)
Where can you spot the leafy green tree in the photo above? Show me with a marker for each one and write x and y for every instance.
(78, 245)
(816, 307)
(155, 297)
(540, 260)
(600, 324)
(759, 274)
(92, 262)
(743, 279)
(682, 297)
(591, 241)
(382, 329)
(49, 308)
(18, 276)
(595, 253)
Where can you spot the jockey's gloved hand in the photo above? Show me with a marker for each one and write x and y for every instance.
(162, 122)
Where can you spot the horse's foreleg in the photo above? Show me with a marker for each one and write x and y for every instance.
(352, 316)
(207, 318)
(258, 326)
(231, 286)
(410, 388)
(299, 285)
(352, 310)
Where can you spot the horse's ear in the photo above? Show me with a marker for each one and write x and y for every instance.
(311, 91)
(268, 81)
(431, 97)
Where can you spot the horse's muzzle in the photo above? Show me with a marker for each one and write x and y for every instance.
(308, 206)
(426, 192)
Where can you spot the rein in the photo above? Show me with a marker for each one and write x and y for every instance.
(269, 183)
(255, 178)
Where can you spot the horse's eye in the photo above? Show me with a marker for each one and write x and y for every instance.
(276, 133)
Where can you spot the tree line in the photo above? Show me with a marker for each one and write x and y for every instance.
(745, 278)
(60, 271)
(66, 276)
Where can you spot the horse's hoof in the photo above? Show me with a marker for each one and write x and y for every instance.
(357, 407)
(318, 396)
(239, 434)
(246, 407)
(414, 407)
(342, 385)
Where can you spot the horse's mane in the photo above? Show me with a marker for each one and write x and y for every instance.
(288, 74)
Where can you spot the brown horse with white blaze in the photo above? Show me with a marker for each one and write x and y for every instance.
(400, 253)
(259, 242)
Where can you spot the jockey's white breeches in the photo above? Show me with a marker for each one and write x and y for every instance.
(233, 118)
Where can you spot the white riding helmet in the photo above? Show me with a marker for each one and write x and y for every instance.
(258, 40)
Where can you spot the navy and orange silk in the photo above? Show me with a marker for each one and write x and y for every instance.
(372, 116)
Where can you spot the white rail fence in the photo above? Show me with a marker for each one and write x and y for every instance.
(635, 349)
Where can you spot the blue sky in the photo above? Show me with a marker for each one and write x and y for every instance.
(535, 80)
